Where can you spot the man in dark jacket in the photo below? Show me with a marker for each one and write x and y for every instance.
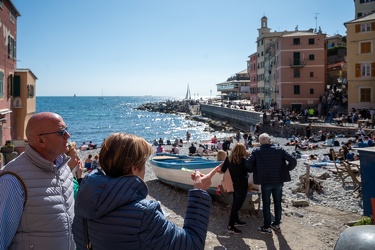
(226, 144)
(271, 170)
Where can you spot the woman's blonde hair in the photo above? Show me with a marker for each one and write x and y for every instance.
(221, 155)
(121, 152)
(71, 146)
(238, 152)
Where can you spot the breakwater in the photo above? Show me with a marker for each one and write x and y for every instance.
(231, 119)
(238, 118)
(243, 119)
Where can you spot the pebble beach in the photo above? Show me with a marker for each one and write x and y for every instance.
(333, 194)
(316, 226)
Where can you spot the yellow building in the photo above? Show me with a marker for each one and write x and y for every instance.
(23, 103)
(361, 62)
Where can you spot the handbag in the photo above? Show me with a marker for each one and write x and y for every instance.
(227, 183)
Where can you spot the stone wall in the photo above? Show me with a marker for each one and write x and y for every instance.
(238, 118)
(243, 119)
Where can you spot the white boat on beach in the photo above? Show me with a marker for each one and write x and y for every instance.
(175, 170)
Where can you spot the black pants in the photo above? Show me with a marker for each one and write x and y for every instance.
(239, 196)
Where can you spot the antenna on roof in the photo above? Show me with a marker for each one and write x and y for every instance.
(316, 21)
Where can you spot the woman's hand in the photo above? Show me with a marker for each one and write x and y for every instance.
(203, 181)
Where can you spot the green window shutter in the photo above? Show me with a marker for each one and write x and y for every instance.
(1, 84)
(17, 86)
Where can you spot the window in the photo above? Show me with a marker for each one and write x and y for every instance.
(365, 70)
(311, 57)
(365, 27)
(311, 91)
(297, 73)
(296, 41)
(30, 90)
(12, 18)
(365, 95)
(365, 47)
(1, 84)
(311, 41)
(1, 3)
(11, 48)
(297, 89)
(311, 74)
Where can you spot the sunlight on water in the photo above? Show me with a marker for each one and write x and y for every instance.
(92, 120)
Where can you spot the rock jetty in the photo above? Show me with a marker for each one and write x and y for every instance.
(168, 107)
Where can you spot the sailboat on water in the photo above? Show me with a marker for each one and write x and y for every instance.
(188, 95)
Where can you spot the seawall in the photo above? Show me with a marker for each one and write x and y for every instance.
(243, 119)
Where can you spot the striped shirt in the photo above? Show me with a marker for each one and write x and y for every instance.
(12, 198)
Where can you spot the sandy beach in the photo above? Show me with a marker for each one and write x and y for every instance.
(316, 226)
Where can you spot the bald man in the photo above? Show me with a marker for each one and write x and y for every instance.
(36, 190)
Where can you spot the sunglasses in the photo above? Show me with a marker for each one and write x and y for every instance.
(61, 132)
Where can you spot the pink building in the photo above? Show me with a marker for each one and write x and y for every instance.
(252, 71)
(8, 20)
(300, 68)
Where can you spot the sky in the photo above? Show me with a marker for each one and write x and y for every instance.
(154, 47)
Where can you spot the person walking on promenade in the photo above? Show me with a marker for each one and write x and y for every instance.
(36, 194)
(270, 165)
(112, 211)
(235, 164)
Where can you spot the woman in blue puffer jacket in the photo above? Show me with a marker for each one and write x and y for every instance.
(111, 205)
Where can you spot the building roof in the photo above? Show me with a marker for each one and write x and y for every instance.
(242, 72)
(367, 18)
(301, 33)
(26, 70)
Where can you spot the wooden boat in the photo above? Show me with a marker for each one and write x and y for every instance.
(175, 170)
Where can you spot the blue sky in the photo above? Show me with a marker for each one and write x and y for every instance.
(154, 47)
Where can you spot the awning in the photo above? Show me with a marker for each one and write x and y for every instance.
(5, 111)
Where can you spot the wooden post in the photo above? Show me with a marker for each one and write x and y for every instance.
(307, 180)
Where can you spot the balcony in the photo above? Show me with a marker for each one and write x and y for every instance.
(227, 87)
(297, 63)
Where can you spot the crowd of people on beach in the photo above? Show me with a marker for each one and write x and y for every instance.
(107, 191)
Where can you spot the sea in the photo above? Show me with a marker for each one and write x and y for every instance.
(95, 118)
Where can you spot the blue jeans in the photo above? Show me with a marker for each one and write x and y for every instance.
(276, 190)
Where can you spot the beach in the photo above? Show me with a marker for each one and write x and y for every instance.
(316, 226)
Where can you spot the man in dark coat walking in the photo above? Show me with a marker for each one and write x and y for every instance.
(270, 165)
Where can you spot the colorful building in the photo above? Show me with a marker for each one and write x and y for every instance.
(364, 7)
(252, 71)
(301, 59)
(361, 62)
(8, 57)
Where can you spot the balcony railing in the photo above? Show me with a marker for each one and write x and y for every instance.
(233, 78)
(297, 63)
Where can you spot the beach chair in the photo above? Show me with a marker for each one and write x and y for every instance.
(353, 171)
(339, 170)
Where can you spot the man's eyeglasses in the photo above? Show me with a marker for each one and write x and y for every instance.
(61, 132)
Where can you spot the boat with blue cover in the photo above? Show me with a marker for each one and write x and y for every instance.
(175, 170)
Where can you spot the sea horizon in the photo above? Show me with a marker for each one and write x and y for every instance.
(92, 118)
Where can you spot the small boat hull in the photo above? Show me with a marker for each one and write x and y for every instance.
(176, 170)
